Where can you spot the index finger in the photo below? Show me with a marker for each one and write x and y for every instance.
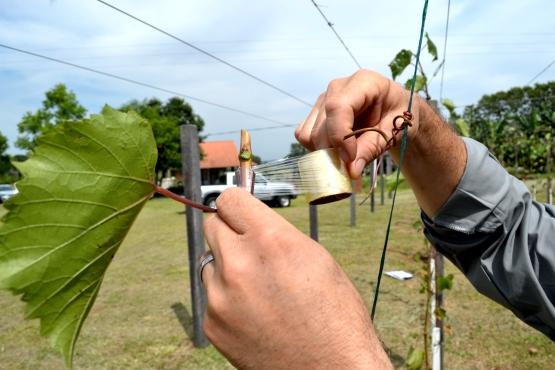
(343, 105)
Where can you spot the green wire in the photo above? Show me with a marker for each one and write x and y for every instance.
(404, 142)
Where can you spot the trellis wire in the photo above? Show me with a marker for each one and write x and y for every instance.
(402, 155)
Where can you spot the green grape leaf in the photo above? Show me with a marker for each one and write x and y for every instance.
(445, 282)
(432, 49)
(82, 189)
(400, 62)
(415, 359)
(440, 313)
(449, 104)
(419, 83)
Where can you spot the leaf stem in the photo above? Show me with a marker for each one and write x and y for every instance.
(183, 200)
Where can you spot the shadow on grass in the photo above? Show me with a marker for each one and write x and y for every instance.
(397, 360)
(184, 318)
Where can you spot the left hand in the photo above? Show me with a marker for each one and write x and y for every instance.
(277, 299)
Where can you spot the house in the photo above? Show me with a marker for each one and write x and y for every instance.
(218, 158)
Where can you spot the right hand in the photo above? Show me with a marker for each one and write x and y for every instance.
(365, 99)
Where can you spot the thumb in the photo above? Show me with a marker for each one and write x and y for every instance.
(243, 212)
(370, 145)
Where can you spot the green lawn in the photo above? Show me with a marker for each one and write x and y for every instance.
(141, 318)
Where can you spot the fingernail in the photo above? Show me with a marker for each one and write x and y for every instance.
(343, 155)
(359, 166)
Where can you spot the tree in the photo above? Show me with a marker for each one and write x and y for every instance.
(297, 149)
(5, 165)
(518, 126)
(60, 105)
(165, 120)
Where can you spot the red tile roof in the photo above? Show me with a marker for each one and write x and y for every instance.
(219, 154)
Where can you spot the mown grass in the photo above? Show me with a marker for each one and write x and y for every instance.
(141, 319)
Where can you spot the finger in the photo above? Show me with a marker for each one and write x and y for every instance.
(303, 131)
(219, 236)
(243, 212)
(344, 105)
(369, 146)
(319, 134)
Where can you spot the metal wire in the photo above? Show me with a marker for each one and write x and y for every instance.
(200, 50)
(336, 34)
(144, 84)
(404, 143)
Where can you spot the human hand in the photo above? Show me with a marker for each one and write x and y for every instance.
(365, 99)
(277, 299)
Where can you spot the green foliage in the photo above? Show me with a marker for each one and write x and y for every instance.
(5, 165)
(82, 188)
(419, 84)
(458, 123)
(297, 149)
(462, 127)
(404, 58)
(518, 126)
(440, 313)
(59, 106)
(8, 173)
(415, 359)
(245, 155)
(165, 119)
(432, 49)
(401, 61)
(445, 282)
(391, 180)
(450, 105)
(3, 143)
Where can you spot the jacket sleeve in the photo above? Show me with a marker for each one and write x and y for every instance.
(502, 240)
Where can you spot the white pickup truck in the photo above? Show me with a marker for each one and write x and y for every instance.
(274, 193)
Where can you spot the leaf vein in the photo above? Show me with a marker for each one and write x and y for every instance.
(147, 172)
(84, 232)
(70, 151)
(41, 225)
(62, 200)
(102, 174)
(74, 276)
(106, 148)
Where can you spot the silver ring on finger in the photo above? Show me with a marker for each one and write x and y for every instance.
(205, 259)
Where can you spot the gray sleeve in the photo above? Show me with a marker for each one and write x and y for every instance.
(502, 240)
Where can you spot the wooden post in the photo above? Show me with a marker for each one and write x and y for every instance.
(388, 170)
(382, 182)
(353, 206)
(372, 180)
(373, 201)
(313, 218)
(190, 159)
(388, 164)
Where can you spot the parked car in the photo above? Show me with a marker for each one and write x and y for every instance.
(7, 191)
(274, 193)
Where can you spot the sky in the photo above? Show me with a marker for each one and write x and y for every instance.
(492, 46)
